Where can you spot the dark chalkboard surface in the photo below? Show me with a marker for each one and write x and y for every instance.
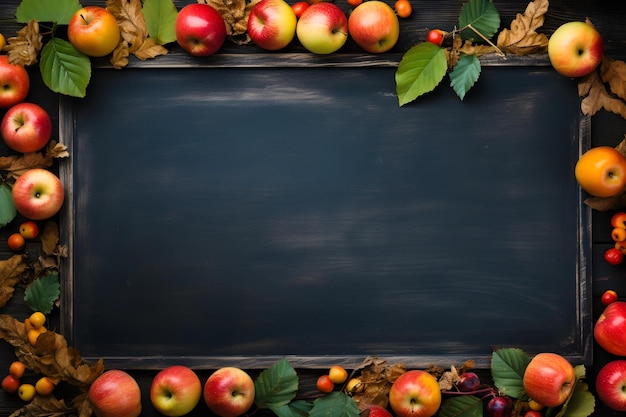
(242, 214)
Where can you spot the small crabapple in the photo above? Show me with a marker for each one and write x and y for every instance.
(337, 374)
(29, 229)
(44, 386)
(17, 369)
(436, 36)
(26, 392)
(608, 297)
(37, 319)
(324, 384)
(16, 242)
(10, 384)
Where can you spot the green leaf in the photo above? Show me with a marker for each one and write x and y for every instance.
(507, 371)
(7, 207)
(420, 70)
(41, 294)
(294, 409)
(581, 403)
(481, 15)
(57, 11)
(464, 74)
(64, 69)
(160, 18)
(461, 406)
(276, 386)
(335, 404)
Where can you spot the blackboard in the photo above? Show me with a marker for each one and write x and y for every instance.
(239, 215)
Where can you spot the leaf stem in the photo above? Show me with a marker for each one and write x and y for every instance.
(498, 50)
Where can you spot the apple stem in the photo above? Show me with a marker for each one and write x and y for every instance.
(83, 17)
(498, 50)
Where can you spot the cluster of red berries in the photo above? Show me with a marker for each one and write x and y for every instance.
(615, 255)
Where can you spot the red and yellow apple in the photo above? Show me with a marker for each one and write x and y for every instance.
(200, 29)
(93, 30)
(115, 393)
(272, 24)
(26, 127)
(611, 384)
(549, 379)
(14, 83)
(322, 28)
(175, 391)
(610, 328)
(415, 393)
(38, 194)
(374, 26)
(29, 229)
(575, 49)
(10, 384)
(229, 392)
(378, 411)
(601, 171)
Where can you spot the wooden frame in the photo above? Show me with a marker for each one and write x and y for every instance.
(583, 327)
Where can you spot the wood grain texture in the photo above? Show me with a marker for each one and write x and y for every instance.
(606, 15)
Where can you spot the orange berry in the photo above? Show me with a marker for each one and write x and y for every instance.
(44, 386)
(354, 3)
(17, 369)
(337, 374)
(324, 384)
(33, 334)
(16, 242)
(37, 319)
(403, 8)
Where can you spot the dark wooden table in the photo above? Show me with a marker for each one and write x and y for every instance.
(606, 129)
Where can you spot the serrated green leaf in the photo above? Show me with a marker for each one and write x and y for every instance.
(160, 18)
(461, 406)
(294, 409)
(507, 371)
(335, 404)
(580, 371)
(481, 15)
(276, 386)
(464, 74)
(41, 294)
(64, 69)
(581, 403)
(420, 70)
(7, 207)
(57, 11)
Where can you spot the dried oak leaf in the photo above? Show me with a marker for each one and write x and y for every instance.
(596, 97)
(50, 356)
(448, 379)
(522, 38)
(235, 14)
(50, 238)
(135, 40)
(376, 378)
(18, 164)
(82, 405)
(24, 48)
(613, 72)
(11, 272)
(46, 405)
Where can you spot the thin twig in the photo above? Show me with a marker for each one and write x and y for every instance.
(498, 50)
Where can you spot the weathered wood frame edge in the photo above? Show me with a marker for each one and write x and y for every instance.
(67, 225)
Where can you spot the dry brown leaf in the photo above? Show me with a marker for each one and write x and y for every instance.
(44, 405)
(24, 48)
(522, 37)
(16, 165)
(150, 49)
(596, 97)
(119, 57)
(613, 72)
(376, 378)
(50, 356)
(235, 14)
(50, 237)
(130, 19)
(11, 272)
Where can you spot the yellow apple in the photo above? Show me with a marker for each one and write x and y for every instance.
(93, 30)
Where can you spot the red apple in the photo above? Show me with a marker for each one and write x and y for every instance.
(115, 394)
(322, 28)
(26, 127)
(611, 385)
(93, 31)
(374, 26)
(14, 83)
(229, 392)
(38, 194)
(610, 329)
(415, 393)
(378, 411)
(549, 379)
(575, 49)
(200, 29)
(272, 24)
(175, 391)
